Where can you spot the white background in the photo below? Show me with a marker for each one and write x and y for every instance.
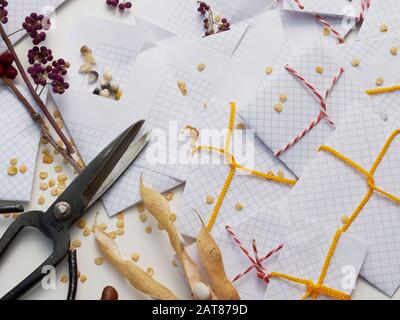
(154, 248)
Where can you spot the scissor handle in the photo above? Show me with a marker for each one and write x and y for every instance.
(61, 242)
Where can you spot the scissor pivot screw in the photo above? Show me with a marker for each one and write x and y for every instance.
(62, 210)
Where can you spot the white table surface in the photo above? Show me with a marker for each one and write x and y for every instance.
(154, 248)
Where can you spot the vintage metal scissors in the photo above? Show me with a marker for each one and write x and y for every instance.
(73, 203)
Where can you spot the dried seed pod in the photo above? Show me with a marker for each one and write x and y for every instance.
(138, 278)
(85, 68)
(158, 206)
(109, 293)
(93, 76)
(211, 258)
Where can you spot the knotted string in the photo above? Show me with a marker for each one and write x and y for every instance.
(314, 290)
(256, 262)
(323, 109)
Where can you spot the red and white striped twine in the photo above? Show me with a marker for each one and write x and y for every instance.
(323, 113)
(256, 261)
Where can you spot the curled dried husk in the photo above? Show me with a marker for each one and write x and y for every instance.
(138, 278)
(158, 206)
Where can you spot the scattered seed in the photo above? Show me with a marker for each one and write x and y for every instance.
(355, 62)
(58, 169)
(12, 171)
(326, 31)
(85, 50)
(52, 183)
(121, 216)
(13, 161)
(43, 175)
(99, 261)
(344, 219)
(48, 158)
(173, 217)
(150, 271)
(60, 124)
(103, 227)
(240, 126)
(384, 28)
(210, 200)
(283, 97)
(120, 224)
(76, 244)
(169, 196)
(140, 207)
(83, 278)
(120, 232)
(379, 81)
(238, 206)
(54, 192)
(112, 235)
(86, 232)
(41, 200)
(393, 51)
(149, 229)
(62, 178)
(278, 107)
(81, 224)
(268, 70)
(61, 185)
(142, 217)
(135, 256)
(182, 87)
(201, 67)
(64, 278)
(319, 70)
(43, 186)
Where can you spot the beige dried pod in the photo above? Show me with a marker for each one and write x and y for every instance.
(211, 258)
(137, 277)
(158, 206)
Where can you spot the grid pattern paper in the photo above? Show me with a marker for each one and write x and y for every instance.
(19, 9)
(186, 21)
(207, 178)
(125, 191)
(325, 7)
(330, 189)
(278, 129)
(381, 12)
(171, 109)
(19, 138)
(119, 61)
(305, 248)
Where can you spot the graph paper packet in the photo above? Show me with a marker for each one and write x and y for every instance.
(246, 193)
(305, 247)
(341, 8)
(330, 191)
(268, 229)
(181, 17)
(19, 9)
(19, 139)
(381, 14)
(369, 56)
(281, 112)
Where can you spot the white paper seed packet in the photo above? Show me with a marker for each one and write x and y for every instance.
(19, 142)
(341, 8)
(305, 248)
(382, 21)
(246, 192)
(298, 109)
(356, 176)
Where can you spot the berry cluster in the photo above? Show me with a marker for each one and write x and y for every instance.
(51, 74)
(34, 25)
(211, 21)
(3, 11)
(6, 68)
(122, 5)
(41, 55)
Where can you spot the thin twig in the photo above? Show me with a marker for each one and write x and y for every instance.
(35, 96)
(45, 131)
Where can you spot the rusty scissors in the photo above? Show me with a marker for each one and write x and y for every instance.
(73, 203)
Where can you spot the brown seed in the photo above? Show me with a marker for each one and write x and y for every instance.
(283, 97)
(81, 224)
(112, 235)
(173, 217)
(86, 232)
(238, 206)
(268, 70)
(143, 217)
(240, 126)
(64, 278)
(61, 185)
(319, 70)
(384, 27)
(83, 278)
(140, 207)
(60, 124)
(56, 114)
(210, 200)
(54, 192)
(201, 67)
(48, 158)
(99, 261)
(76, 244)
(58, 169)
(46, 151)
(355, 62)
(102, 227)
(149, 229)
(109, 293)
(135, 256)
(379, 81)
(85, 49)
(344, 219)
(278, 107)
(13, 161)
(43, 186)
(326, 31)
(150, 271)
(62, 178)
(121, 216)
(169, 196)
(23, 169)
(393, 51)
(120, 232)
(120, 224)
(182, 87)
(41, 200)
(12, 171)
(43, 175)
(52, 183)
